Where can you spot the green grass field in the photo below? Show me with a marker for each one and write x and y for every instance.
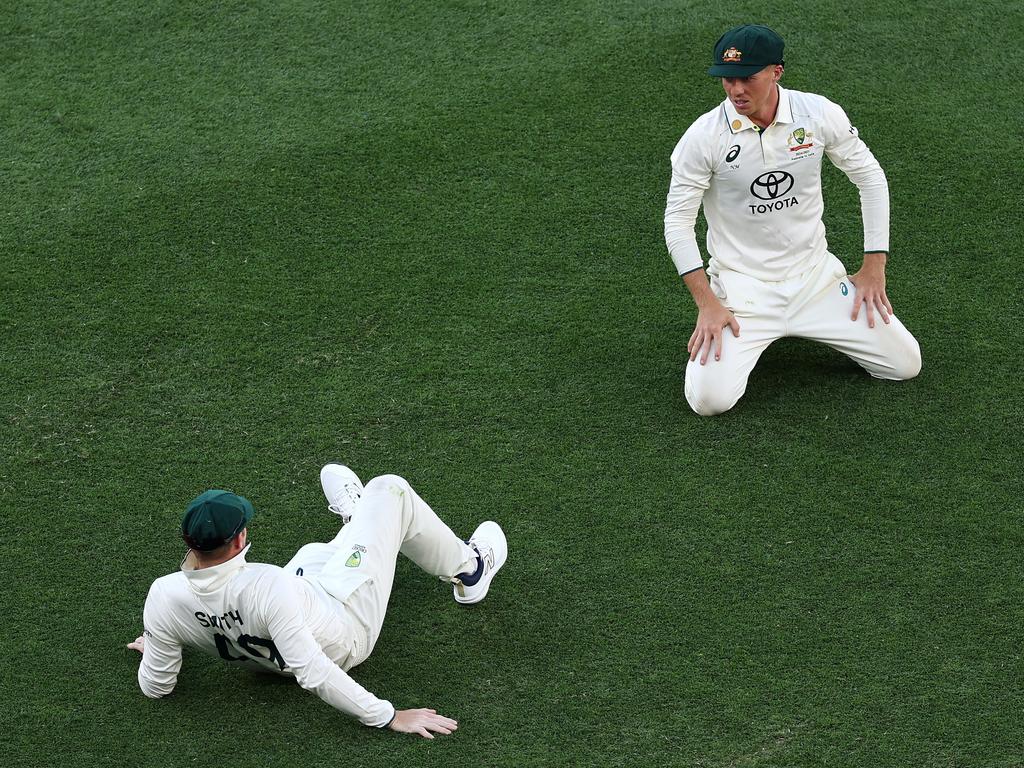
(240, 240)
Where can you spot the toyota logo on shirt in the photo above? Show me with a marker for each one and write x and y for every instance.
(771, 185)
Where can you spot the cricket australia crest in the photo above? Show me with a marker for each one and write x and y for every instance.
(800, 139)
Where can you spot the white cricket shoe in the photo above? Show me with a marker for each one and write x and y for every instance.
(489, 542)
(342, 487)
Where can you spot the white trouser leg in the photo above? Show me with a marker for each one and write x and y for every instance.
(311, 559)
(717, 385)
(887, 351)
(391, 518)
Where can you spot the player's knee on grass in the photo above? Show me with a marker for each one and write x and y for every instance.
(907, 369)
(902, 361)
(910, 364)
(709, 399)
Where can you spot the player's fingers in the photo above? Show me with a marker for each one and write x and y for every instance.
(424, 733)
(888, 304)
(856, 308)
(870, 312)
(882, 310)
(718, 344)
(735, 325)
(695, 345)
(705, 349)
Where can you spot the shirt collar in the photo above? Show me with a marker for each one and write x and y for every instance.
(207, 582)
(738, 122)
(188, 563)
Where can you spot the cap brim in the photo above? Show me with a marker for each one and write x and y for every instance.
(735, 70)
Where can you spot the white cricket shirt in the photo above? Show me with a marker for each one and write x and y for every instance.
(761, 190)
(260, 616)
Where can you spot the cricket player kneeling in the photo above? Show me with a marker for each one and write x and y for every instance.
(322, 613)
(754, 162)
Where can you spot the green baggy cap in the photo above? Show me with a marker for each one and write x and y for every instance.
(746, 50)
(213, 518)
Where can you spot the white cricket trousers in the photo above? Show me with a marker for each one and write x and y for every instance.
(816, 306)
(388, 518)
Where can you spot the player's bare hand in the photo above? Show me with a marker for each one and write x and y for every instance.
(712, 319)
(138, 644)
(870, 284)
(425, 722)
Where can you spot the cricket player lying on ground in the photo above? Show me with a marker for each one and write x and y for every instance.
(755, 164)
(321, 614)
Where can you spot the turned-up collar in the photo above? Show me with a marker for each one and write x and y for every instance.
(738, 122)
(204, 581)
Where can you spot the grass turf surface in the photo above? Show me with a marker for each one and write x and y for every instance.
(243, 239)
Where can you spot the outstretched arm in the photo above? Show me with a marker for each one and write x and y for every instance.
(423, 722)
(316, 672)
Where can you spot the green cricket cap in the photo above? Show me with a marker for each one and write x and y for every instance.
(746, 50)
(214, 517)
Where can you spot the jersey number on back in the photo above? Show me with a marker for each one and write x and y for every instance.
(251, 645)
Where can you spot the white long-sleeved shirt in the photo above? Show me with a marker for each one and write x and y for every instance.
(761, 190)
(261, 616)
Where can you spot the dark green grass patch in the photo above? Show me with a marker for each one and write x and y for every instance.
(240, 240)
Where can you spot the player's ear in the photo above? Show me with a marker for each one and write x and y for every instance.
(237, 544)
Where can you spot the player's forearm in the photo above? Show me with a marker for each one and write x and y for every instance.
(700, 289)
(874, 207)
(875, 261)
(363, 705)
(682, 247)
(332, 684)
(161, 657)
(864, 171)
(152, 688)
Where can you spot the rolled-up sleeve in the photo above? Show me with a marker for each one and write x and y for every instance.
(851, 155)
(691, 176)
